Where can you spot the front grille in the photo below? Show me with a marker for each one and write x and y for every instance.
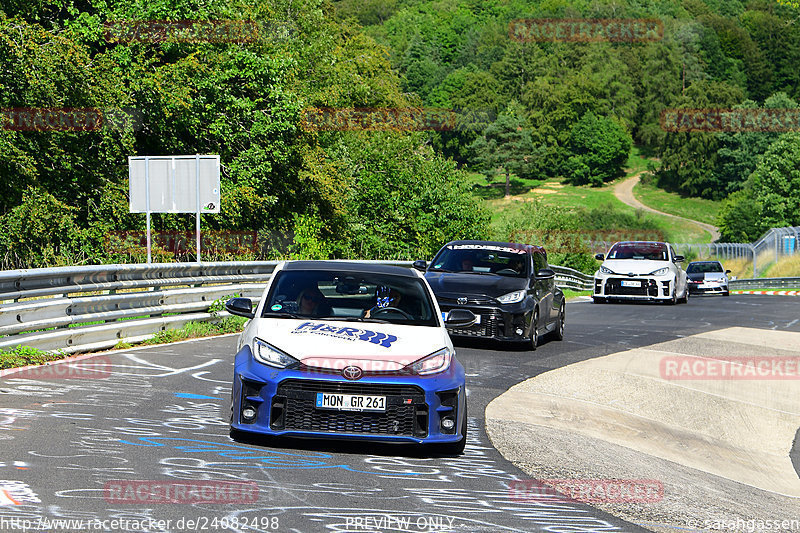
(294, 408)
(491, 324)
(471, 300)
(648, 287)
(342, 387)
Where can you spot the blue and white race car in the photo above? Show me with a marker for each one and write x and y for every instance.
(349, 351)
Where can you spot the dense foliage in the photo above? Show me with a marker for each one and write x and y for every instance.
(567, 109)
(713, 54)
(63, 192)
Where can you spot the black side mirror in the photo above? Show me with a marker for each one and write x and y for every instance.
(727, 271)
(240, 307)
(545, 273)
(420, 265)
(460, 318)
(599, 257)
(679, 259)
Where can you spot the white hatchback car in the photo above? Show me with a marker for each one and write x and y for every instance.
(641, 270)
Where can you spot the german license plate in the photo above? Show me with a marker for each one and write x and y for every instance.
(631, 283)
(477, 317)
(351, 402)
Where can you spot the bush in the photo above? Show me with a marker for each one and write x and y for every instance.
(39, 232)
(25, 355)
(599, 148)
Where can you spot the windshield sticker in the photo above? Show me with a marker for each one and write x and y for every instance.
(486, 247)
(350, 334)
(276, 307)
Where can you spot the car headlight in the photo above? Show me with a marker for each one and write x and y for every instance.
(433, 363)
(659, 272)
(606, 270)
(512, 297)
(269, 355)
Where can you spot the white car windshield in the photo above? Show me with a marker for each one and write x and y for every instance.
(350, 296)
(711, 266)
(651, 251)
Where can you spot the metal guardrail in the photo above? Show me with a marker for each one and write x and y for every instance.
(764, 283)
(567, 278)
(87, 308)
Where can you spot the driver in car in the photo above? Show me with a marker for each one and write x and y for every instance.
(312, 302)
(386, 297)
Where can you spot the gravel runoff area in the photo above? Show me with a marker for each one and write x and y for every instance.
(725, 451)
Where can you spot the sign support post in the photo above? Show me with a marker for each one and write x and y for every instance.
(147, 195)
(167, 188)
(197, 225)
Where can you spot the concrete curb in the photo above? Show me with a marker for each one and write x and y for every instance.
(770, 293)
(720, 447)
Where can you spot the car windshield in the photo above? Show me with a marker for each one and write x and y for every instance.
(352, 296)
(711, 266)
(652, 251)
(485, 259)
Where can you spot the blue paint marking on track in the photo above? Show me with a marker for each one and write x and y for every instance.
(260, 458)
(194, 396)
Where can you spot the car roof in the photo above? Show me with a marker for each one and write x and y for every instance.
(641, 242)
(518, 246)
(350, 266)
(700, 262)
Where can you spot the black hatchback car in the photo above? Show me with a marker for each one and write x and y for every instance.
(509, 288)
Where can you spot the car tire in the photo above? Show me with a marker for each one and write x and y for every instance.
(457, 448)
(558, 332)
(726, 293)
(533, 341)
(685, 298)
(674, 299)
(598, 300)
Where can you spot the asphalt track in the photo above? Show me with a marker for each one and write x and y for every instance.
(76, 448)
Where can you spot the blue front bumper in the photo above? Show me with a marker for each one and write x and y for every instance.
(284, 404)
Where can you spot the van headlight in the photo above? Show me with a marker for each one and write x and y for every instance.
(432, 364)
(269, 355)
(512, 297)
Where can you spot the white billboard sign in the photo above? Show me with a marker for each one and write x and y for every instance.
(176, 184)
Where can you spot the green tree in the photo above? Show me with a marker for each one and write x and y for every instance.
(599, 148)
(776, 182)
(506, 146)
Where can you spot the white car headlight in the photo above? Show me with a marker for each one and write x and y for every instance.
(606, 270)
(269, 355)
(660, 272)
(512, 297)
(433, 363)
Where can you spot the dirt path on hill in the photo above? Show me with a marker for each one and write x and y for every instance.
(624, 192)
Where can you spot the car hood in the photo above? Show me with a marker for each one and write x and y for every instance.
(335, 344)
(455, 284)
(634, 266)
